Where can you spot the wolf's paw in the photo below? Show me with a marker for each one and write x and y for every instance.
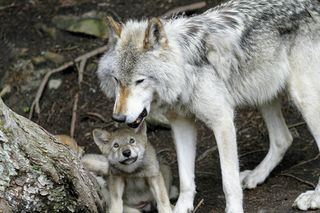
(308, 200)
(249, 179)
(234, 210)
(184, 203)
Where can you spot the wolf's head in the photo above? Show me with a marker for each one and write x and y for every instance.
(124, 147)
(138, 66)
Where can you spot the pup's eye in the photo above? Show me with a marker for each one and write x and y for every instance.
(132, 141)
(139, 81)
(116, 145)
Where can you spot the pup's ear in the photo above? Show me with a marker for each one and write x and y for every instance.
(101, 138)
(115, 27)
(155, 35)
(142, 129)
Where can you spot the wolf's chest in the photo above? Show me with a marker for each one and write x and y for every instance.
(138, 190)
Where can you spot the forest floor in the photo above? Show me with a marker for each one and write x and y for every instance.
(27, 33)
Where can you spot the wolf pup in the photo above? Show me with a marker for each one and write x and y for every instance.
(242, 52)
(135, 175)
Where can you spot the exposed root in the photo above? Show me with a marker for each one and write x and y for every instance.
(198, 205)
(308, 183)
(205, 154)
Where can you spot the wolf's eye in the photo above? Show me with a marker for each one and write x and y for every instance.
(139, 81)
(132, 141)
(116, 145)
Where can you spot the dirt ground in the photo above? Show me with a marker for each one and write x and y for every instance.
(22, 38)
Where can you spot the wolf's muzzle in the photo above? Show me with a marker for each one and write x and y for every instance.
(119, 117)
(140, 118)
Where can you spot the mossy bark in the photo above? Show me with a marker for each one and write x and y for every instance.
(38, 174)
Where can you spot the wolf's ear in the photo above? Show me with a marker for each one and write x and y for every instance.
(142, 129)
(101, 138)
(155, 35)
(115, 27)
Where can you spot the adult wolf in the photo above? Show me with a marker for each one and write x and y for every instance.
(241, 52)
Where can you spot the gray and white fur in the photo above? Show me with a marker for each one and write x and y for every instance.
(239, 53)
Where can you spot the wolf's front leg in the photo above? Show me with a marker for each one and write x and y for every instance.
(116, 187)
(159, 191)
(225, 134)
(184, 134)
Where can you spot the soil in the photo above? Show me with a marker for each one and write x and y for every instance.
(21, 37)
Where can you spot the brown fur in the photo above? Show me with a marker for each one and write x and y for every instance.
(122, 103)
(117, 27)
(70, 142)
(155, 23)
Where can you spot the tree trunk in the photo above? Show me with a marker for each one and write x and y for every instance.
(38, 174)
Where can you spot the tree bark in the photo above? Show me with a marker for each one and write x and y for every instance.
(39, 174)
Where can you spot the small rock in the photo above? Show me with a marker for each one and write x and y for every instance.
(54, 83)
(53, 57)
(38, 60)
(86, 24)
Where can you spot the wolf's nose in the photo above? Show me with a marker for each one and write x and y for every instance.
(126, 153)
(118, 117)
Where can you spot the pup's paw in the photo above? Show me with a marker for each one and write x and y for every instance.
(184, 203)
(308, 200)
(249, 179)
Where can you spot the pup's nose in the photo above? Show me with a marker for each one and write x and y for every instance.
(126, 153)
(121, 118)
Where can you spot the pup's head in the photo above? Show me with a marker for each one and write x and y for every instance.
(137, 65)
(124, 147)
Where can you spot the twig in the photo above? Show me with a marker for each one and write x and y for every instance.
(206, 153)
(205, 173)
(308, 183)
(185, 8)
(305, 162)
(74, 115)
(252, 152)
(198, 205)
(94, 114)
(76, 97)
(299, 164)
(164, 150)
(81, 71)
(297, 124)
(35, 104)
(7, 6)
